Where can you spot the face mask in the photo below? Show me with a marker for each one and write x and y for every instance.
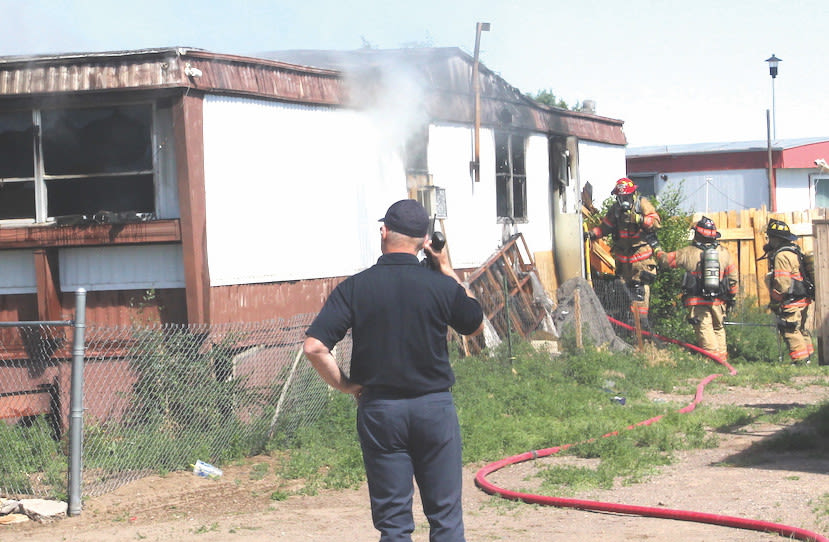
(625, 202)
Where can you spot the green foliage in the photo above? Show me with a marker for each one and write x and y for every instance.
(667, 314)
(547, 97)
(326, 453)
(29, 454)
(184, 407)
(754, 338)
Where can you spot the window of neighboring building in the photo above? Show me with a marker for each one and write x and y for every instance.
(646, 184)
(821, 191)
(56, 162)
(510, 177)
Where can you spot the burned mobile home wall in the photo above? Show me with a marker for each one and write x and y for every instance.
(255, 185)
(526, 185)
(128, 225)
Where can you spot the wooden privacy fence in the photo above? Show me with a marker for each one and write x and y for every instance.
(743, 235)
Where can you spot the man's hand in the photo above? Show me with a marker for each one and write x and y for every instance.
(325, 364)
(441, 257)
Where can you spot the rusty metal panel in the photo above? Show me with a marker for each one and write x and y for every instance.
(167, 68)
(260, 302)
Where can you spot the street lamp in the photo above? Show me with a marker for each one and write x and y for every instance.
(773, 62)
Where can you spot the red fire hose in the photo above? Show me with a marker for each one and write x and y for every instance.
(664, 513)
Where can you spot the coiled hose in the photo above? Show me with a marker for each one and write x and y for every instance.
(646, 511)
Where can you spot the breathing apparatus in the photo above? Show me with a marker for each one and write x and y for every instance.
(705, 238)
(623, 191)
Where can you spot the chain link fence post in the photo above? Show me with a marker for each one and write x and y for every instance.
(76, 402)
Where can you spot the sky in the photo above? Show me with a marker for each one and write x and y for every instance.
(674, 72)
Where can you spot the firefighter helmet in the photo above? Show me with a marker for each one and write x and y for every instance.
(779, 229)
(624, 186)
(706, 228)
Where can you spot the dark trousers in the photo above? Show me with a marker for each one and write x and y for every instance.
(414, 438)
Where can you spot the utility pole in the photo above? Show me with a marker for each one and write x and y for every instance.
(475, 164)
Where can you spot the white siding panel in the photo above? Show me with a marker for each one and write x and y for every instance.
(601, 165)
(472, 229)
(538, 231)
(17, 272)
(793, 191)
(293, 191)
(726, 190)
(121, 268)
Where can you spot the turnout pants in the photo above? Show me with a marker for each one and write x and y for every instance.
(793, 330)
(709, 328)
(412, 438)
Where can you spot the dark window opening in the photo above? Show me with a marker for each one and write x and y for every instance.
(88, 196)
(16, 145)
(510, 176)
(17, 200)
(416, 151)
(646, 184)
(90, 141)
(58, 162)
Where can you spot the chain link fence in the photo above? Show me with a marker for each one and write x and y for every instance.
(159, 398)
(155, 399)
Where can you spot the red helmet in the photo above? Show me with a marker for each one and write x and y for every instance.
(624, 186)
(706, 228)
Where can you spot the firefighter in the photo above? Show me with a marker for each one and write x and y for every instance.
(790, 282)
(629, 220)
(709, 286)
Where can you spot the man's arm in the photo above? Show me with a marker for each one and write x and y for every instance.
(324, 363)
(442, 258)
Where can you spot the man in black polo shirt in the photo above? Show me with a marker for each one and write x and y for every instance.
(398, 312)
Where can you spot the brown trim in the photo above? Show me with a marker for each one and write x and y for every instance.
(156, 231)
(48, 284)
(188, 127)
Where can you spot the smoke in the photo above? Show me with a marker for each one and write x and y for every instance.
(392, 98)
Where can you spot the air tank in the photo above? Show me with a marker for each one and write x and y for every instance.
(710, 271)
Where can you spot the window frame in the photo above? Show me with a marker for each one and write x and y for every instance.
(510, 177)
(41, 179)
(822, 180)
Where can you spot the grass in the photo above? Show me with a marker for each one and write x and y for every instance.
(506, 405)
(510, 406)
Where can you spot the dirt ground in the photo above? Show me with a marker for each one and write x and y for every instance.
(779, 488)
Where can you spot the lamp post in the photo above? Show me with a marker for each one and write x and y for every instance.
(773, 62)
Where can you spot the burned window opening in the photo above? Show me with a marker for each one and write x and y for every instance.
(16, 146)
(17, 200)
(510, 177)
(83, 161)
(104, 140)
(88, 196)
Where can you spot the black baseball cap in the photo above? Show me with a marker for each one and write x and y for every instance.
(408, 217)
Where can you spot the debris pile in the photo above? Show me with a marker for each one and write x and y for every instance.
(40, 510)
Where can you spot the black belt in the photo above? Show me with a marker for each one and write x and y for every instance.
(386, 393)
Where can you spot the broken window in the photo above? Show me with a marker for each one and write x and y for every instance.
(510, 177)
(58, 162)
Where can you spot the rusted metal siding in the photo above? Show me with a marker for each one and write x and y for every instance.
(167, 68)
(157, 231)
(104, 308)
(259, 302)
(130, 307)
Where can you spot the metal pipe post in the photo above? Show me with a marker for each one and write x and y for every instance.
(76, 405)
